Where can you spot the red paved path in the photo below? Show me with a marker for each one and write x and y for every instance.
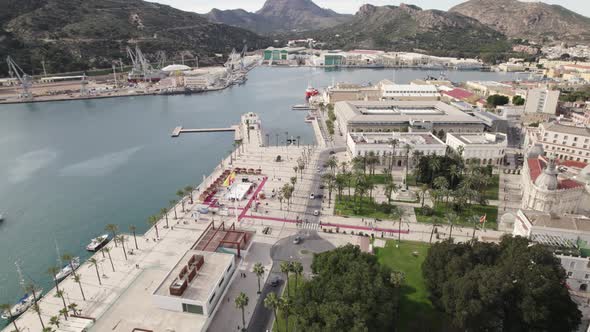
(256, 192)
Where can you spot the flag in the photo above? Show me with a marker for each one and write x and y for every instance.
(483, 218)
(229, 180)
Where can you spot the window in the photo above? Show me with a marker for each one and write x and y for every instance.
(193, 309)
(230, 265)
(575, 139)
(569, 274)
(572, 265)
(221, 282)
(212, 297)
(587, 276)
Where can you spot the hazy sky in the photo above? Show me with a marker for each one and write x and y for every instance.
(348, 6)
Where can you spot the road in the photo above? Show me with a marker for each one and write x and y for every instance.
(316, 204)
(286, 250)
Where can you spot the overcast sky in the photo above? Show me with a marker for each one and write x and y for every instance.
(347, 6)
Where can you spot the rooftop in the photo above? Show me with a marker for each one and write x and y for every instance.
(412, 139)
(480, 138)
(402, 112)
(458, 93)
(207, 276)
(566, 129)
(566, 222)
(536, 167)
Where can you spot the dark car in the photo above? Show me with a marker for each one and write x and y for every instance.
(276, 281)
(332, 152)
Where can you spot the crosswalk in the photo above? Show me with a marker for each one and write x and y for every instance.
(308, 225)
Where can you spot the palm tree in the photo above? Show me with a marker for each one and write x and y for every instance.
(164, 212)
(280, 198)
(180, 194)
(78, 280)
(301, 167)
(64, 312)
(73, 307)
(153, 221)
(423, 191)
(60, 294)
(397, 280)
(272, 302)
(121, 238)
(297, 269)
(393, 143)
(454, 173)
(53, 271)
(113, 229)
(284, 306)
(132, 228)
(108, 251)
(5, 307)
(329, 180)
(37, 309)
(293, 180)
(48, 329)
(94, 262)
(340, 183)
(259, 271)
(189, 190)
(241, 303)
(286, 268)
(54, 320)
(333, 164)
(344, 166)
(68, 258)
(390, 188)
(173, 205)
(435, 165)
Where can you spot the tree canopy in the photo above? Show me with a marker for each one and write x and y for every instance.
(350, 291)
(511, 286)
(498, 100)
(518, 100)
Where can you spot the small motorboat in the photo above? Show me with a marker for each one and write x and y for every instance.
(23, 304)
(97, 243)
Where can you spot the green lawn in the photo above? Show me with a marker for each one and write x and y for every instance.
(491, 191)
(464, 216)
(416, 310)
(368, 208)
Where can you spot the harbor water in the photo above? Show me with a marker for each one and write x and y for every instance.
(69, 168)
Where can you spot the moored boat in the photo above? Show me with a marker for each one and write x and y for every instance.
(302, 107)
(97, 242)
(67, 269)
(22, 305)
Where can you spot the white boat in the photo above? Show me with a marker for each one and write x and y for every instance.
(23, 304)
(303, 107)
(97, 242)
(67, 269)
(1, 217)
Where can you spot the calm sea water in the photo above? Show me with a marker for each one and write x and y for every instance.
(69, 168)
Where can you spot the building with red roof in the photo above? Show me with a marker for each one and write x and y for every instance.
(458, 94)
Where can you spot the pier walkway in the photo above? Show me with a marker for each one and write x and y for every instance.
(179, 130)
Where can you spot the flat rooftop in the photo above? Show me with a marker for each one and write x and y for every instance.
(412, 139)
(359, 112)
(480, 138)
(565, 222)
(206, 279)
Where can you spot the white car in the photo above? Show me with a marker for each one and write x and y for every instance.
(312, 196)
(316, 213)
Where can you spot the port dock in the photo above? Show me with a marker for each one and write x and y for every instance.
(180, 130)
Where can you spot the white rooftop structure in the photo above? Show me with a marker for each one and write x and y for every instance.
(172, 68)
(405, 91)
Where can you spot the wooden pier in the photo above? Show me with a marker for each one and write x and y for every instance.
(179, 130)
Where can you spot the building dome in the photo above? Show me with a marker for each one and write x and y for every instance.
(172, 68)
(548, 179)
(535, 151)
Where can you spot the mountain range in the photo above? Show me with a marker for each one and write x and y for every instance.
(71, 35)
(280, 16)
(528, 20)
(74, 35)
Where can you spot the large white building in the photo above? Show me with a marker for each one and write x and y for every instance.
(567, 235)
(541, 100)
(383, 146)
(403, 116)
(485, 148)
(567, 142)
(409, 92)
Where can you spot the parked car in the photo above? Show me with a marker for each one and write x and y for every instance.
(311, 196)
(316, 213)
(297, 240)
(332, 152)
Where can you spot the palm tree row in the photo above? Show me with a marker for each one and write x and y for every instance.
(283, 303)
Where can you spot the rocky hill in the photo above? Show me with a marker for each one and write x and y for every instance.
(410, 28)
(280, 16)
(79, 34)
(528, 20)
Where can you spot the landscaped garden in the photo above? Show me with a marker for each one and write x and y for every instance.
(466, 217)
(416, 311)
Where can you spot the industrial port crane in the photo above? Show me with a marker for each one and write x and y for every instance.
(24, 79)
